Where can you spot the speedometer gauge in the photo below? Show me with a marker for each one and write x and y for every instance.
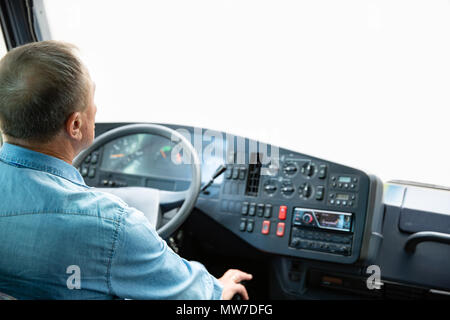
(145, 155)
(125, 154)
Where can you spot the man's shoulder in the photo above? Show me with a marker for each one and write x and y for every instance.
(52, 194)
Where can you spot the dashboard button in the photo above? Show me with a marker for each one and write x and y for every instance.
(260, 209)
(242, 172)
(280, 229)
(297, 220)
(91, 173)
(252, 209)
(268, 211)
(265, 227)
(94, 159)
(243, 225)
(235, 173)
(84, 171)
(319, 192)
(282, 213)
(322, 171)
(250, 225)
(229, 173)
(244, 209)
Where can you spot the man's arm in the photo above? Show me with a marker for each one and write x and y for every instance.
(144, 267)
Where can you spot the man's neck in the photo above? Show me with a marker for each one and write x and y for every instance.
(58, 147)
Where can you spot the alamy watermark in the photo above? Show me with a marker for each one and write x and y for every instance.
(74, 280)
(373, 282)
(232, 149)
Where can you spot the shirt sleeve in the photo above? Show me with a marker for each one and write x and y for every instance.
(143, 266)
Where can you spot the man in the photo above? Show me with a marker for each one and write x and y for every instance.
(60, 239)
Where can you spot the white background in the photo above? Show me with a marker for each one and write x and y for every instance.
(362, 83)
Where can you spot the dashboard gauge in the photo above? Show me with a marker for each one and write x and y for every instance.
(125, 152)
(145, 155)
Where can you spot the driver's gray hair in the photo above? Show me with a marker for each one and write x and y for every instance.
(41, 85)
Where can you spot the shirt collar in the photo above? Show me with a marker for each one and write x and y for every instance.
(27, 158)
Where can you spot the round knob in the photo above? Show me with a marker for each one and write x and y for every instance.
(287, 188)
(305, 190)
(308, 169)
(270, 186)
(290, 169)
(307, 218)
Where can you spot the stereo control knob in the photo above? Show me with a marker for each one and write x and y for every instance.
(307, 218)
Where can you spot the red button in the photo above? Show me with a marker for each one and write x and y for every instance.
(280, 229)
(265, 227)
(282, 213)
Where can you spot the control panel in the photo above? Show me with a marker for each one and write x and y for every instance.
(306, 207)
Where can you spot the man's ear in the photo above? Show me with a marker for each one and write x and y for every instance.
(73, 126)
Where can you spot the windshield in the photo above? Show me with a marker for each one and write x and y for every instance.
(2, 44)
(362, 83)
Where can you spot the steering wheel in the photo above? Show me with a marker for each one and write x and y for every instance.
(150, 200)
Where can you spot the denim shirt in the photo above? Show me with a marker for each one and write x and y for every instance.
(60, 239)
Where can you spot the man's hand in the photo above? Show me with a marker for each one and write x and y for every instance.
(231, 284)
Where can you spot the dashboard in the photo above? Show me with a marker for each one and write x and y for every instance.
(278, 201)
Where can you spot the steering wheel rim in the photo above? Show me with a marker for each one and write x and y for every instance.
(194, 189)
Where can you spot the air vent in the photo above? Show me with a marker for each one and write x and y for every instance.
(254, 175)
